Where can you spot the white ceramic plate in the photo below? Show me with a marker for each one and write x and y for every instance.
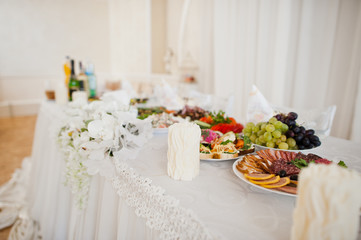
(240, 175)
(259, 148)
(220, 160)
(160, 130)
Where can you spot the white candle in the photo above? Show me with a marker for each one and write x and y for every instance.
(328, 203)
(183, 151)
(61, 94)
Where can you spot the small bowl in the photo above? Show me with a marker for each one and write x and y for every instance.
(259, 148)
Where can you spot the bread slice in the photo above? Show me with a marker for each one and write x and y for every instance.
(225, 155)
(206, 155)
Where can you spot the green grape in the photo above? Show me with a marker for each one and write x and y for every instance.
(247, 134)
(258, 142)
(283, 145)
(260, 132)
(272, 120)
(278, 142)
(267, 136)
(291, 142)
(270, 144)
(250, 125)
(253, 137)
(274, 140)
(246, 130)
(284, 128)
(263, 126)
(261, 139)
(276, 133)
(278, 124)
(293, 148)
(270, 128)
(259, 124)
(255, 129)
(283, 138)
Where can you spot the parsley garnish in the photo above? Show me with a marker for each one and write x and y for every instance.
(226, 142)
(219, 118)
(342, 164)
(247, 143)
(301, 163)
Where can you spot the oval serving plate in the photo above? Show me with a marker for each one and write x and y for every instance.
(260, 147)
(241, 176)
(219, 160)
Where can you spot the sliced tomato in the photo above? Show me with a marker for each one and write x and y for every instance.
(227, 127)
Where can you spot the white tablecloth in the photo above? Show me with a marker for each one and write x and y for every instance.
(228, 207)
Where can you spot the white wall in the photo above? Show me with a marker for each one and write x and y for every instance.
(37, 35)
(124, 39)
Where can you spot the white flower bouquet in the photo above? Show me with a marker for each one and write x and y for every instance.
(93, 136)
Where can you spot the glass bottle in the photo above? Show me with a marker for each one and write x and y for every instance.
(73, 82)
(92, 81)
(83, 79)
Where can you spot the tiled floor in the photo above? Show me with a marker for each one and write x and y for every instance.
(16, 139)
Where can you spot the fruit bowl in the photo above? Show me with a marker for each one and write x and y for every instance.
(260, 147)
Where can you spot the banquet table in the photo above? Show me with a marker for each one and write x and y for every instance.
(222, 205)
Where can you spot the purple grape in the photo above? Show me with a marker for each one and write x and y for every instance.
(314, 138)
(301, 147)
(290, 134)
(310, 132)
(299, 137)
(296, 129)
(303, 130)
(292, 116)
(290, 122)
(278, 117)
(306, 142)
(317, 143)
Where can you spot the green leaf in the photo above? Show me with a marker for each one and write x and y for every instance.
(226, 142)
(247, 143)
(218, 117)
(300, 163)
(342, 164)
(87, 122)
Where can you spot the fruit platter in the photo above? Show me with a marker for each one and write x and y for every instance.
(276, 170)
(282, 132)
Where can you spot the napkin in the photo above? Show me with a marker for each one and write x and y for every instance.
(328, 203)
(166, 96)
(319, 119)
(120, 96)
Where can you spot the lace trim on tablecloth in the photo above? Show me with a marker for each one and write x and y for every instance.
(162, 212)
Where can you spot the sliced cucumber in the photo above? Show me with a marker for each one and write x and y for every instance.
(202, 124)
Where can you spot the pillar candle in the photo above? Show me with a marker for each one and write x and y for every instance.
(328, 203)
(183, 151)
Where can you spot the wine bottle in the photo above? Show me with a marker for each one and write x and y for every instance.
(73, 82)
(92, 81)
(67, 70)
(83, 79)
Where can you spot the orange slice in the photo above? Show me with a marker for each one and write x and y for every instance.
(294, 182)
(271, 180)
(282, 182)
(258, 176)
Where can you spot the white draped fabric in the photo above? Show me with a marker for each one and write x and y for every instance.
(301, 54)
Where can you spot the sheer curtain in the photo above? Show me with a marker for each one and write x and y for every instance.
(301, 54)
